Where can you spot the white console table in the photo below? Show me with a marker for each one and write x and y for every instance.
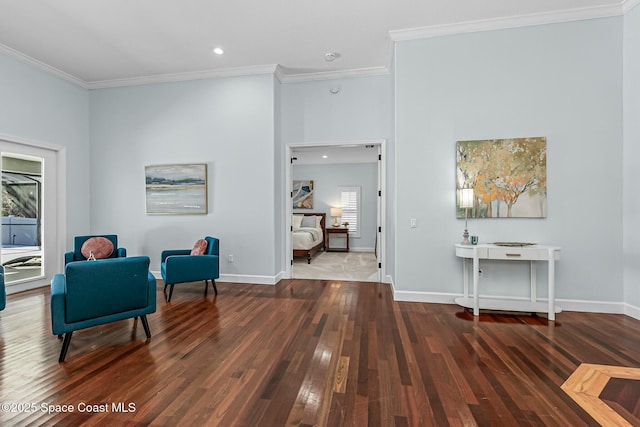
(474, 253)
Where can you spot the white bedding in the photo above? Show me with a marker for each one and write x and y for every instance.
(306, 237)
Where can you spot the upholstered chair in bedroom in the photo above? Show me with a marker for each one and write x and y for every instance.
(97, 246)
(3, 291)
(192, 265)
(96, 292)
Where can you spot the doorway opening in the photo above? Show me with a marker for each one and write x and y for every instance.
(32, 201)
(21, 217)
(348, 188)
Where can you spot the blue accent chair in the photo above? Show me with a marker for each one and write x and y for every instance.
(93, 293)
(78, 241)
(3, 291)
(179, 266)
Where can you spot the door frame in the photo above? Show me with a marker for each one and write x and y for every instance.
(380, 228)
(54, 200)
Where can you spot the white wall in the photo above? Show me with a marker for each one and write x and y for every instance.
(227, 123)
(39, 107)
(561, 81)
(631, 161)
(326, 180)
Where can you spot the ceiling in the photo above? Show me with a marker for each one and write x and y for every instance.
(312, 154)
(118, 42)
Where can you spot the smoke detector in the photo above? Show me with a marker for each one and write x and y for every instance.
(331, 56)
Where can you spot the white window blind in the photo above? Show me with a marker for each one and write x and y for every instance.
(350, 201)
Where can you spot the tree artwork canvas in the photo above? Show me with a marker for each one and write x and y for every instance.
(508, 176)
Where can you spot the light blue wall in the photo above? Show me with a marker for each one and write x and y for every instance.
(561, 81)
(361, 110)
(39, 107)
(632, 158)
(326, 180)
(227, 123)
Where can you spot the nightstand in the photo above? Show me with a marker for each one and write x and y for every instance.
(337, 231)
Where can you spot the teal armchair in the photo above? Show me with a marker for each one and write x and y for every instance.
(3, 291)
(78, 241)
(93, 293)
(179, 266)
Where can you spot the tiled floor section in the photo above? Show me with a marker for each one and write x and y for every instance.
(358, 266)
(610, 394)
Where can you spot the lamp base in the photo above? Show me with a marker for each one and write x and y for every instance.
(335, 224)
(465, 237)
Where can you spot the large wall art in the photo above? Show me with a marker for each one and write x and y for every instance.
(508, 176)
(176, 189)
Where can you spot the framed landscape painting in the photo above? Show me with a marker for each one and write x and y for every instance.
(508, 177)
(179, 189)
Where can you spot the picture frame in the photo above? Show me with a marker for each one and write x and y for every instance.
(176, 189)
(508, 177)
(302, 194)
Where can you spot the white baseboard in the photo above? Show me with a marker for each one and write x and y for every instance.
(565, 304)
(241, 278)
(632, 311)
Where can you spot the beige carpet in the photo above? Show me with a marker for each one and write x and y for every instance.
(355, 266)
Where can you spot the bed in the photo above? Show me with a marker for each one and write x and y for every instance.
(308, 234)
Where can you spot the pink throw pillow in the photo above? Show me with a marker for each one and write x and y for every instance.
(200, 248)
(99, 247)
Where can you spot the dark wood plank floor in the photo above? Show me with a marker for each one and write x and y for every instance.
(304, 352)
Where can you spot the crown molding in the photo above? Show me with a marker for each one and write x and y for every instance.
(627, 5)
(180, 77)
(508, 22)
(12, 53)
(331, 75)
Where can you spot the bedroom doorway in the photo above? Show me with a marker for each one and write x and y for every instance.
(338, 174)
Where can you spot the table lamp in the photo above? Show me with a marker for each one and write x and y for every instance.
(466, 202)
(336, 213)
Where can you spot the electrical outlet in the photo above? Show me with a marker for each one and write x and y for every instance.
(230, 258)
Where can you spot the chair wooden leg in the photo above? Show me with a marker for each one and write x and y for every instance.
(170, 293)
(206, 287)
(65, 346)
(213, 284)
(145, 325)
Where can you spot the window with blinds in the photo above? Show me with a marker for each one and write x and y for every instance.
(350, 201)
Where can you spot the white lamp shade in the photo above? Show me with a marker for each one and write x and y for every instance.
(336, 211)
(466, 198)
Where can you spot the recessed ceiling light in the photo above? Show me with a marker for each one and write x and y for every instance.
(324, 156)
(218, 51)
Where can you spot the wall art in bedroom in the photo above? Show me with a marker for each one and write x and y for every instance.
(508, 176)
(302, 194)
(176, 189)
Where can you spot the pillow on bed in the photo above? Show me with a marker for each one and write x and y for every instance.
(309, 221)
(297, 221)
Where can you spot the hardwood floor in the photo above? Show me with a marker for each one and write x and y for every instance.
(304, 352)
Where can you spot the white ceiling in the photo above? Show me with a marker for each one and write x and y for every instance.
(98, 43)
(331, 154)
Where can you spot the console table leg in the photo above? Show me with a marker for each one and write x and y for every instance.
(476, 279)
(552, 286)
(534, 284)
(465, 278)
